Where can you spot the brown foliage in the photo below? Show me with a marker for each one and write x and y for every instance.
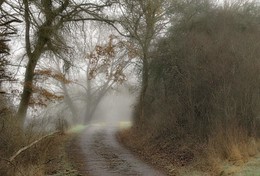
(42, 96)
(47, 73)
(110, 59)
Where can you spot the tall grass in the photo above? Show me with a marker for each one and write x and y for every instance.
(31, 162)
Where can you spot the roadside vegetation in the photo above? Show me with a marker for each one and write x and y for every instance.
(194, 63)
(48, 156)
(30, 151)
(201, 107)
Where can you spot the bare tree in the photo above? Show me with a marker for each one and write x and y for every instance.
(99, 63)
(105, 67)
(143, 20)
(44, 20)
(6, 30)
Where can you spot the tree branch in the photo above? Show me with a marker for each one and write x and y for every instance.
(27, 28)
(30, 145)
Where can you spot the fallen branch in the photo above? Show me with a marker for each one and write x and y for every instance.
(30, 145)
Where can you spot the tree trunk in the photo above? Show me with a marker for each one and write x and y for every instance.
(145, 78)
(28, 80)
(91, 109)
(27, 90)
(89, 102)
(69, 102)
(93, 100)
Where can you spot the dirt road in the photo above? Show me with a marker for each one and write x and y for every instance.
(104, 156)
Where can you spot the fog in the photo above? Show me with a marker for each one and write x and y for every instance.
(115, 107)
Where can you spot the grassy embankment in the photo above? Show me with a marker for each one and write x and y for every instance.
(186, 159)
(46, 157)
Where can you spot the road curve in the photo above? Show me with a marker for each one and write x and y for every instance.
(104, 156)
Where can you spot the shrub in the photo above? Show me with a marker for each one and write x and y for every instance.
(205, 77)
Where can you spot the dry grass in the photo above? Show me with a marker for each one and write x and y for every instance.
(47, 157)
(233, 145)
(162, 153)
(181, 158)
(32, 170)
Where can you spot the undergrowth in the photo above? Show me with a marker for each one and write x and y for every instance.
(202, 104)
(43, 158)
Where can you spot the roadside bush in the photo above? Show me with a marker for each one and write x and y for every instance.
(205, 79)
